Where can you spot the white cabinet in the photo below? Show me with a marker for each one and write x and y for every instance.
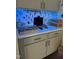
(53, 41)
(52, 45)
(35, 46)
(35, 51)
(61, 36)
(40, 46)
(31, 4)
(43, 48)
(52, 5)
(17, 50)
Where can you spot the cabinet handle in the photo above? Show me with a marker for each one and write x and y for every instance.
(46, 44)
(37, 38)
(42, 5)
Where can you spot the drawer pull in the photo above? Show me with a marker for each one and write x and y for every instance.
(37, 38)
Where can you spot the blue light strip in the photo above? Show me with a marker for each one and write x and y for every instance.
(23, 16)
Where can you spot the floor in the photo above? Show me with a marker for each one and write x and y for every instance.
(56, 55)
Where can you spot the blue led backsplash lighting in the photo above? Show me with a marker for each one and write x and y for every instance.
(24, 17)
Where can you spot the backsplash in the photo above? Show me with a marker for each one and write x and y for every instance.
(24, 17)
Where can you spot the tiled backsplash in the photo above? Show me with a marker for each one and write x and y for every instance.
(24, 17)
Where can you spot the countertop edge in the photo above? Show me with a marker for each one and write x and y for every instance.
(22, 37)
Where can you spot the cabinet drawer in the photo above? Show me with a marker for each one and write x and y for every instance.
(60, 32)
(53, 34)
(35, 38)
(44, 36)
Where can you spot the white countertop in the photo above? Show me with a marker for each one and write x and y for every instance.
(37, 32)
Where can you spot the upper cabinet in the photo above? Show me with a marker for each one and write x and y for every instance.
(30, 4)
(52, 5)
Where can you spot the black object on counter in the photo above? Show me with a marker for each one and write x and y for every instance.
(38, 21)
(40, 28)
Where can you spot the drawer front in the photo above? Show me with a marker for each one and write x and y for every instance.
(36, 38)
(44, 36)
(60, 32)
(53, 34)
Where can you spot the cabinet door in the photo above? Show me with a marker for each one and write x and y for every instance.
(52, 45)
(43, 48)
(52, 5)
(61, 39)
(35, 51)
(17, 50)
(31, 4)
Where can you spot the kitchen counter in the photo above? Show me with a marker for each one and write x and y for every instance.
(37, 32)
